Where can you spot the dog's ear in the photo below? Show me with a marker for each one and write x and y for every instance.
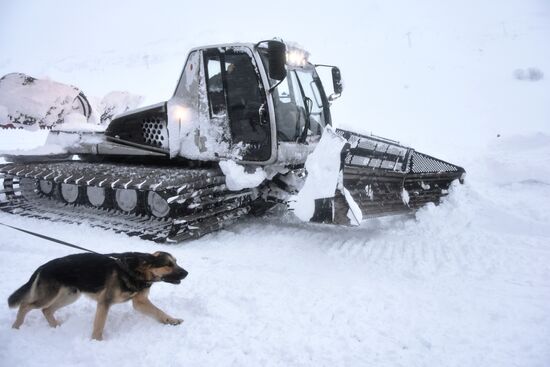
(158, 259)
(143, 262)
(136, 260)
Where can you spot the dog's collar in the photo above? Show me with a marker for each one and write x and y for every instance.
(133, 276)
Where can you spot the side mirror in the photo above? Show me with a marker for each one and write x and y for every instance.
(276, 55)
(337, 81)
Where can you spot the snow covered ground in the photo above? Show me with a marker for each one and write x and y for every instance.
(466, 283)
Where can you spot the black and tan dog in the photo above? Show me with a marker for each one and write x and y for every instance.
(109, 279)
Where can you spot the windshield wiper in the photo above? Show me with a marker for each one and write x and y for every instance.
(308, 103)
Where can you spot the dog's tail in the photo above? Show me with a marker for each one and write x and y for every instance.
(15, 299)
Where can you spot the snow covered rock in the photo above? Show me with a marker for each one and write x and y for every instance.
(115, 103)
(39, 103)
(29, 102)
(3, 115)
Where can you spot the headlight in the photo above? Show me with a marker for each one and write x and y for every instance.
(181, 114)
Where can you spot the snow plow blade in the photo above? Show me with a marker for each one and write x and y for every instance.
(384, 177)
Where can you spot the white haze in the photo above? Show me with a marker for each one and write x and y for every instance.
(427, 73)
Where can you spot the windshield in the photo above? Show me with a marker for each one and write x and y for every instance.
(299, 91)
(299, 103)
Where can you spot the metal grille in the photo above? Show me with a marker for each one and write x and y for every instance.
(422, 163)
(373, 152)
(155, 132)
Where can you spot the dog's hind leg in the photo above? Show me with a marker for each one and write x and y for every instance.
(39, 295)
(24, 309)
(65, 297)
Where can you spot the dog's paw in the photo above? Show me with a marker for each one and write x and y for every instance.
(172, 321)
(96, 336)
(55, 324)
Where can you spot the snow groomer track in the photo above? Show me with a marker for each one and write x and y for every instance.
(161, 204)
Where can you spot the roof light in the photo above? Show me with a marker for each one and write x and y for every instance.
(296, 56)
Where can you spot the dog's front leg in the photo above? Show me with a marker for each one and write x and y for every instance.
(100, 318)
(142, 303)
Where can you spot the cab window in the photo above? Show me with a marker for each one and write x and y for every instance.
(236, 92)
(214, 85)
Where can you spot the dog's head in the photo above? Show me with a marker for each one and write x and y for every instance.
(162, 267)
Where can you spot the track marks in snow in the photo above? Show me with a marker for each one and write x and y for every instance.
(452, 238)
(395, 291)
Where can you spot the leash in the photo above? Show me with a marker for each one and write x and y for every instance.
(122, 265)
(52, 239)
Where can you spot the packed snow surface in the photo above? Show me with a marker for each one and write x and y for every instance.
(46, 149)
(75, 122)
(25, 142)
(464, 283)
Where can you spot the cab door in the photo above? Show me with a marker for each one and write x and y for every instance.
(234, 88)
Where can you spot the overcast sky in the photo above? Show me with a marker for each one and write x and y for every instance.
(445, 67)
